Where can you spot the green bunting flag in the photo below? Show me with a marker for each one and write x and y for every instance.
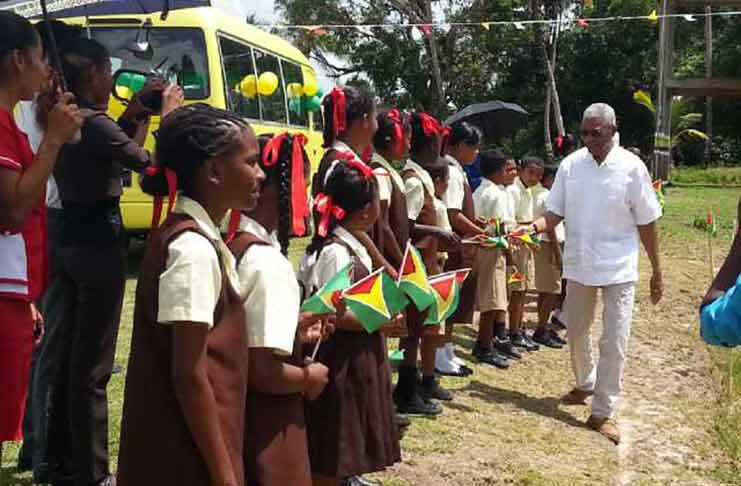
(326, 298)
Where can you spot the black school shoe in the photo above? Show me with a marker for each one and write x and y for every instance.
(360, 481)
(545, 337)
(557, 338)
(521, 340)
(507, 348)
(489, 356)
(556, 322)
(416, 405)
(430, 389)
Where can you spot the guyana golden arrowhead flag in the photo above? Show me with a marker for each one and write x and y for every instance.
(324, 301)
(374, 300)
(515, 278)
(413, 279)
(446, 288)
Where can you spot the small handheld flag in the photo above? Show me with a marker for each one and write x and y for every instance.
(710, 225)
(325, 300)
(446, 289)
(374, 300)
(515, 278)
(658, 186)
(413, 279)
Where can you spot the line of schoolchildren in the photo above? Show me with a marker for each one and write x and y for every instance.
(220, 389)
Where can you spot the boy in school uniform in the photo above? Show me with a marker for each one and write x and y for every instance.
(547, 260)
(491, 202)
(523, 198)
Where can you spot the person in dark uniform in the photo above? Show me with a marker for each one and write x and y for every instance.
(186, 386)
(88, 175)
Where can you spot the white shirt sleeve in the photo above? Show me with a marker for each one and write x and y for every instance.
(271, 299)
(384, 184)
(190, 286)
(556, 202)
(642, 197)
(456, 192)
(415, 193)
(332, 259)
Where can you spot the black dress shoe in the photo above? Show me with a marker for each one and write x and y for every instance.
(490, 356)
(430, 389)
(361, 481)
(544, 337)
(523, 341)
(466, 370)
(416, 405)
(557, 323)
(459, 373)
(554, 335)
(507, 348)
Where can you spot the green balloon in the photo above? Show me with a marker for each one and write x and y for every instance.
(294, 105)
(319, 93)
(313, 103)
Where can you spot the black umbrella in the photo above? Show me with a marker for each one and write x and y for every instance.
(496, 119)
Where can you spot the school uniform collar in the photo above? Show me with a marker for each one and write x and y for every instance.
(341, 146)
(249, 225)
(355, 245)
(521, 185)
(381, 160)
(423, 175)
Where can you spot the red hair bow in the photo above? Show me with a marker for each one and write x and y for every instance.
(352, 161)
(172, 187)
(395, 118)
(324, 206)
(339, 110)
(430, 125)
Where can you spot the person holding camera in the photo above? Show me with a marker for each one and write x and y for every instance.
(88, 175)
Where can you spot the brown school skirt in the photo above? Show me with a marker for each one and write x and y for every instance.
(351, 426)
(276, 450)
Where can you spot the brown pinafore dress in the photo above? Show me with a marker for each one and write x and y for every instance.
(351, 426)
(276, 452)
(465, 258)
(156, 446)
(399, 223)
(428, 248)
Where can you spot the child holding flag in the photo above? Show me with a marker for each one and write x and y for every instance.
(428, 237)
(276, 453)
(492, 203)
(351, 426)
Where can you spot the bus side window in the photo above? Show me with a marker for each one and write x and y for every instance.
(297, 112)
(273, 105)
(240, 78)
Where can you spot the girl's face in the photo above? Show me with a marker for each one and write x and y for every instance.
(33, 72)
(531, 175)
(369, 126)
(464, 153)
(371, 212)
(101, 82)
(240, 175)
(510, 172)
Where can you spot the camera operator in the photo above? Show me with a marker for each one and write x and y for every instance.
(92, 252)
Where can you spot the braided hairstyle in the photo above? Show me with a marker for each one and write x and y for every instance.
(280, 174)
(384, 137)
(421, 142)
(16, 33)
(358, 103)
(187, 138)
(350, 190)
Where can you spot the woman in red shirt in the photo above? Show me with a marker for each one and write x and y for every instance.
(22, 211)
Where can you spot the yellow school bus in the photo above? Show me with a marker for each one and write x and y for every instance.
(218, 59)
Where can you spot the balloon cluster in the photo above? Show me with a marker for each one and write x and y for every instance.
(304, 97)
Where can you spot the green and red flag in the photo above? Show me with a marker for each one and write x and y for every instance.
(374, 300)
(325, 300)
(495, 242)
(658, 186)
(529, 238)
(516, 278)
(710, 225)
(413, 279)
(446, 289)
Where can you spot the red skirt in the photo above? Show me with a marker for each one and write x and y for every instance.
(16, 346)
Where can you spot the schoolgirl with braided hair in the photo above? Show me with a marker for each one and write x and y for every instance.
(351, 426)
(184, 403)
(276, 451)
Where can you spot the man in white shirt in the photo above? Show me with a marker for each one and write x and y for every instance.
(604, 194)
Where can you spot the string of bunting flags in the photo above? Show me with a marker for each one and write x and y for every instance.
(426, 28)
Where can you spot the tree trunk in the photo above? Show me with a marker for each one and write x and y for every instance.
(708, 74)
(440, 107)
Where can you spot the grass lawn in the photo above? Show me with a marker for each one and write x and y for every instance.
(711, 175)
(681, 418)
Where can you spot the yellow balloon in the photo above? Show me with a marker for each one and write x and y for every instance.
(310, 87)
(295, 90)
(248, 86)
(267, 83)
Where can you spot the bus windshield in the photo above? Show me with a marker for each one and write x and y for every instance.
(177, 54)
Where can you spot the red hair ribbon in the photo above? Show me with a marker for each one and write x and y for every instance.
(234, 217)
(430, 125)
(367, 154)
(559, 141)
(395, 118)
(271, 152)
(172, 186)
(339, 110)
(323, 205)
(352, 161)
(299, 202)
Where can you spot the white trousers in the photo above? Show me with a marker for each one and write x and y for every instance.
(606, 379)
